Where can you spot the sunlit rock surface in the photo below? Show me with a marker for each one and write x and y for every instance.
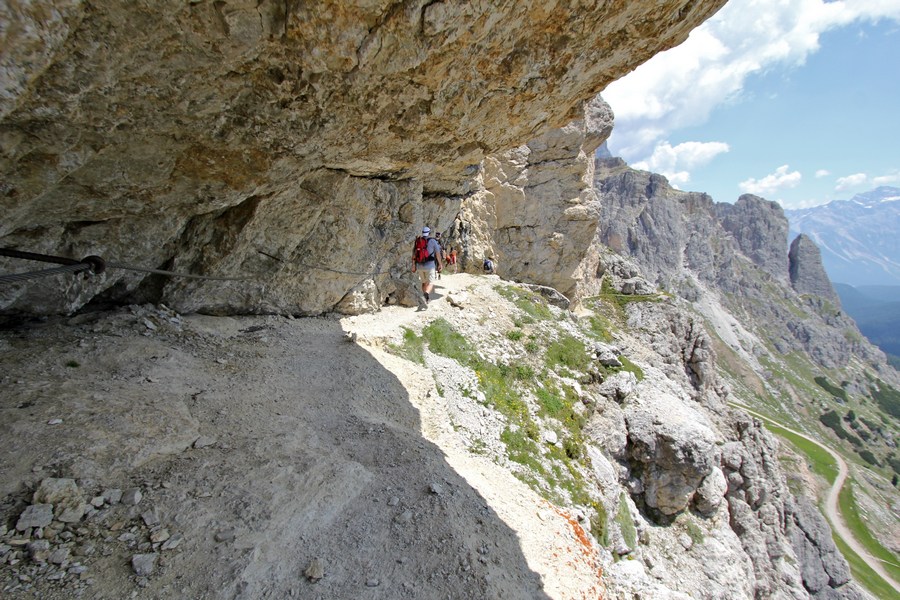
(299, 144)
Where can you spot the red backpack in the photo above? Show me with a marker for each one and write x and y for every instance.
(420, 250)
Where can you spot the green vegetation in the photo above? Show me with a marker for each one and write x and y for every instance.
(608, 292)
(569, 352)
(533, 305)
(694, 531)
(854, 519)
(887, 398)
(515, 334)
(794, 372)
(863, 573)
(629, 366)
(550, 470)
(837, 392)
(521, 447)
(598, 524)
(444, 340)
(869, 458)
(894, 462)
(478, 447)
(599, 328)
(559, 404)
(412, 349)
(626, 524)
(820, 461)
(833, 421)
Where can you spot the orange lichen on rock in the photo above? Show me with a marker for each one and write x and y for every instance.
(585, 552)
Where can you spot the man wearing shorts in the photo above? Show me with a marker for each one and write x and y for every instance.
(429, 268)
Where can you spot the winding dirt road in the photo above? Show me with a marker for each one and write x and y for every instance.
(832, 510)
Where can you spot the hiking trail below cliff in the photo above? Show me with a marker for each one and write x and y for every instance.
(269, 457)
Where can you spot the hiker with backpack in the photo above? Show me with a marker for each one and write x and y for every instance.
(426, 261)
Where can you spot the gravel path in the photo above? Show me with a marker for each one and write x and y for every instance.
(273, 458)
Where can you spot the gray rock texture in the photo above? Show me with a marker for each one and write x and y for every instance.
(807, 273)
(672, 452)
(298, 145)
(823, 569)
(760, 229)
(686, 243)
(538, 213)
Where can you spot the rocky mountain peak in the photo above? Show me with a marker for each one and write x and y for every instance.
(760, 229)
(806, 271)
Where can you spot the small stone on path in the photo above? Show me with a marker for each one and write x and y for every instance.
(173, 542)
(132, 496)
(225, 535)
(144, 564)
(204, 441)
(315, 570)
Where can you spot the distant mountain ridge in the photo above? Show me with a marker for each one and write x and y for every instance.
(857, 237)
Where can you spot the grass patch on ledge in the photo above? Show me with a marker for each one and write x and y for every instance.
(412, 348)
(630, 367)
(555, 471)
(610, 294)
(533, 305)
(568, 351)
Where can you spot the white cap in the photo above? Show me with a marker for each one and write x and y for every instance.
(426, 231)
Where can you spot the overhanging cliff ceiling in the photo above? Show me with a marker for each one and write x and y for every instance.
(256, 137)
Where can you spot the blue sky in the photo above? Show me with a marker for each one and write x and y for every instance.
(797, 101)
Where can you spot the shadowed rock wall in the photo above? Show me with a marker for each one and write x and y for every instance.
(194, 135)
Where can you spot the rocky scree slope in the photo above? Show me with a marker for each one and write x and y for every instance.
(254, 138)
(546, 455)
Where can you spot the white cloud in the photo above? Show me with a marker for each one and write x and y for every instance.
(850, 181)
(682, 86)
(675, 162)
(770, 184)
(822, 173)
(886, 179)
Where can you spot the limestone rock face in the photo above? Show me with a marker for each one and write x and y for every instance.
(690, 245)
(760, 229)
(538, 213)
(825, 573)
(210, 137)
(807, 273)
(673, 452)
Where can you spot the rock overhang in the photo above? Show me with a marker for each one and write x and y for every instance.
(129, 127)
